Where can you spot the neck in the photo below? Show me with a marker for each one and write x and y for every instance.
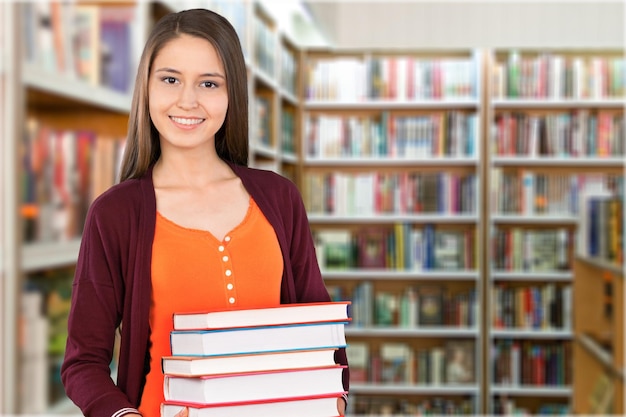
(179, 170)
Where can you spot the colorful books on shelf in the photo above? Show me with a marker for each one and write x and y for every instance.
(528, 362)
(262, 361)
(64, 170)
(394, 78)
(399, 246)
(451, 134)
(89, 42)
(601, 227)
(375, 193)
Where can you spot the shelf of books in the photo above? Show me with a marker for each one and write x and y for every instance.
(276, 106)
(75, 92)
(556, 134)
(265, 149)
(391, 183)
(599, 297)
(290, 108)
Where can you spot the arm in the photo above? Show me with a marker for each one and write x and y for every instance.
(95, 314)
(308, 279)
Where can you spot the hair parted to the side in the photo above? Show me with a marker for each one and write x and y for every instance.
(231, 141)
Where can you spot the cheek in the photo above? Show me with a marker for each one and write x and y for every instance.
(221, 105)
(157, 104)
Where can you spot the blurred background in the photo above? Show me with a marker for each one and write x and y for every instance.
(462, 163)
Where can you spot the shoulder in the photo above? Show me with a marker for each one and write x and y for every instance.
(122, 200)
(269, 181)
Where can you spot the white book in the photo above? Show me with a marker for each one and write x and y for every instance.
(437, 361)
(364, 194)
(417, 250)
(228, 364)
(307, 406)
(254, 386)
(515, 364)
(528, 186)
(567, 308)
(402, 68)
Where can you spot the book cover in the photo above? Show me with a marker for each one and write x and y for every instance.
(115, 43)
(115, 55)
(431, 305)
(252, 386)
(335, 248)
(305, 406)
(385, 308)
(223, 364)
(358, 360)
(447, 250)
(257, 339)
(371, 248)
(281, 314)
(460, 360)
(397, 363)
(437, 364)
(87, 42)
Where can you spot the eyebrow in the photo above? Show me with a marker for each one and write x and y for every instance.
(206, 74)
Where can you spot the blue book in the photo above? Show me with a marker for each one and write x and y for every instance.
(115, 66)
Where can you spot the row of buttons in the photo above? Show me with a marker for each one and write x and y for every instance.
(228, 272)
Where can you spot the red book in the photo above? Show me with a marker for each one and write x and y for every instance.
(372, 248)
(437, 79)
(254, 386)
(538, 366)
(305, 406)
(410, 78)
(393, 78)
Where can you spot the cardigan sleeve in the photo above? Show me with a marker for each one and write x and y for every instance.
(95, 314)
(309, 283)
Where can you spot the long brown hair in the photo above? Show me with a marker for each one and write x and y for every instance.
(231, 141)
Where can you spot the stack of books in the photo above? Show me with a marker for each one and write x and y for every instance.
(276, 361)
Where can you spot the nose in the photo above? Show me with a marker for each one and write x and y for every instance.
(187, 99)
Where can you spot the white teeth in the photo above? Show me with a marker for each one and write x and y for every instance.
(187, 122)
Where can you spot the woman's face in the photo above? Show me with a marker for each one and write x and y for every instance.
(187, 93)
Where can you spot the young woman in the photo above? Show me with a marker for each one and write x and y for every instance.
(189, 226)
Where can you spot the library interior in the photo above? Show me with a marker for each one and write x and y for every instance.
(462, 166)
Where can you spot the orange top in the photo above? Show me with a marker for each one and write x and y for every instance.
(193, 271)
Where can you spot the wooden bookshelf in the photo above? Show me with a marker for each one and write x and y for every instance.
(599, 337)
(365, 150)
(536, 182)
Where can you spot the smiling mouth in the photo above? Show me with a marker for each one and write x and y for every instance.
(187, 121)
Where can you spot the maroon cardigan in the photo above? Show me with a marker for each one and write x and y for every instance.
(112, 285)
